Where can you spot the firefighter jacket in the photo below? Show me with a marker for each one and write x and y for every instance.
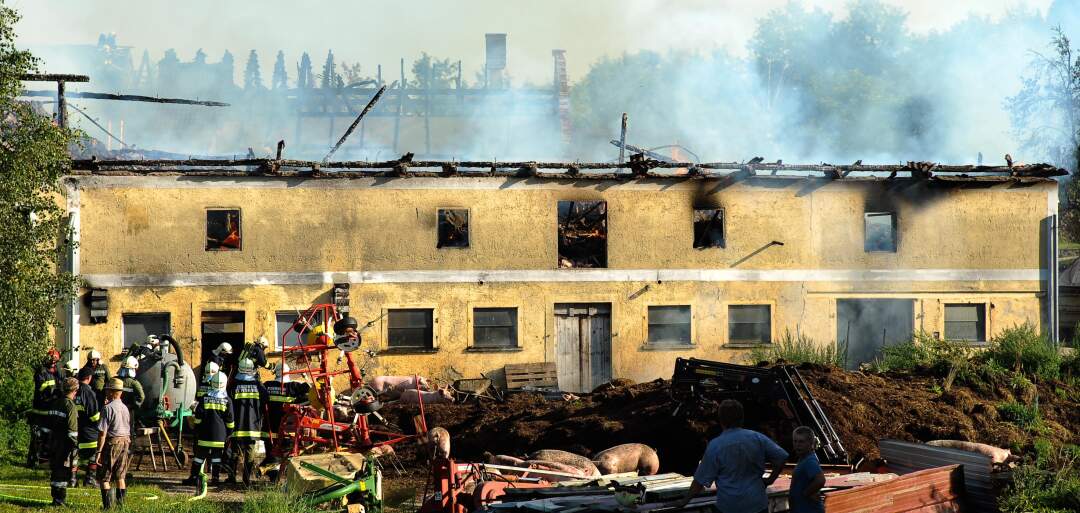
(248, 396)
(101, 377)
(46, 385)
(133, 399)
(64, 423)
(89, 414)
(278, 395)
(213, 420)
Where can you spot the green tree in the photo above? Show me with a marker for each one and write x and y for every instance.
(252, 75)
(280, 80)
(33, 157)
(304, 77)
(443, 73)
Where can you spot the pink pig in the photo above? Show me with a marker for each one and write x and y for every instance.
(439, 396)
(385, 384)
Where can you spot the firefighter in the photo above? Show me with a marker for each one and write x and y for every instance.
(86, 403)
(46, 381)
(64, 441)
(70, 371)
(213, 425)
(248, 396)
(220, 355)
(100, 372)
(209, 370)
(280, 392)
(134, 396)
(256, 351)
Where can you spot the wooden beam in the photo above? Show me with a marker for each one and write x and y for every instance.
(126, 97)
(367, 108)
(52, 77)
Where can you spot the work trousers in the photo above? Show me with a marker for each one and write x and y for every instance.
(61, 466)
(208, 455)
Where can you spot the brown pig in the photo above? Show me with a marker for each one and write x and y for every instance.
(439, 396)
(567, 458)
(628, 458)
(502, 459)
(574, 472)
(439, 442)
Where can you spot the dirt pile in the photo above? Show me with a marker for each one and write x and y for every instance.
(862, 407)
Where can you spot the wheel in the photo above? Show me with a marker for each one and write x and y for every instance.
(183, 457)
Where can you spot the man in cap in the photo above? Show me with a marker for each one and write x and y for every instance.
(135, 396)
(248, 396)
(89, 415)
(114, 440)
(213, 425)
(46, 380)
(100, 372)
(63, 441)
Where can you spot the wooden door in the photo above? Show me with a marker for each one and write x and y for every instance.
(582, 346)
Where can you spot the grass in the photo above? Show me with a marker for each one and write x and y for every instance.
(1048, 483)
(1023, 415)
(798, 349)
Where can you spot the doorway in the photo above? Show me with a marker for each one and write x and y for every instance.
(219, 327)
(582, 345)
(865, 326)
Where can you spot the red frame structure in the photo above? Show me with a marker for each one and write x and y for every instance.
(299, 421)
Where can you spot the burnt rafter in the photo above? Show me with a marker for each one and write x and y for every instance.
(639, 166)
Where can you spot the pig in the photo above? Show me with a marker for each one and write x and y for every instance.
(502, 459)
(628, 458)
(567, 458)
(382, 384)
(439, 442)
(439, 396)
(576, 473)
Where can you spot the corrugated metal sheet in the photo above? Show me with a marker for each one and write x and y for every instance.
(939, 490)
(904, 457)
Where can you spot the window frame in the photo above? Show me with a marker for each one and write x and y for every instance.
(984, 318)
(385, 328)
(239, 228)
(438, 228)
(728, 342)
(690, 344)
(606, 264)
(723, 228)
(894, 219)
(123, 325)
(473, 348)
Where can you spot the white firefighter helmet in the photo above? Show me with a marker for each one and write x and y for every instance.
(218, 382)
(95, 354)
(280, 373)
(152, 340)
(130, 363)
(263, 342)
(69, 366)
(246, 366)
(210, 370)
(224, 348)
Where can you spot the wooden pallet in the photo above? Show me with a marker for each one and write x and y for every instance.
(531, 374)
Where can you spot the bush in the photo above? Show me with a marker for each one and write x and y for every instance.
(1024, 416)
(1024, 350)
(941, 357)
(798, 349)
(1048, 484)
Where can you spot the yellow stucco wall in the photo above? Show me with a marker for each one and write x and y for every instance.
(155, 227)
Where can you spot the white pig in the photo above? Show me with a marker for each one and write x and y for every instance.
(628, 458)
(439, 396)
(439, 442)
(381, 384)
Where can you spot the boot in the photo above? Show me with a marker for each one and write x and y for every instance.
(120, 494)
(59, 495)
(248, 468)
(192, 479)
(106, 499)
(74, 481)
(215, 474)
(89, 481)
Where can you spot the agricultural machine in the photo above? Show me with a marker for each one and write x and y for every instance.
(317, 424)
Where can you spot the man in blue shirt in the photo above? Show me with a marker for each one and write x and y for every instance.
(735, 461)
(807, 480)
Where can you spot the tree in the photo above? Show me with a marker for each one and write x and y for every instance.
(329, 76)
(443, 73)
(252, 75)
(33, 157)
(304, 78)
(281, 78)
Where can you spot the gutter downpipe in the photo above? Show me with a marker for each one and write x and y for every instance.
(71, 320)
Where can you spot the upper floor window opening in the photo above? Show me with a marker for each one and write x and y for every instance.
(582, 234)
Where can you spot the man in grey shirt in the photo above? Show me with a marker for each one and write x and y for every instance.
(735, 461)
(113, 444)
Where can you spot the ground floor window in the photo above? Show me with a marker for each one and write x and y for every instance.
(495, 327)
(669, 325)
(410, 328)
(138, 326)
(749, 324)
(965, 322)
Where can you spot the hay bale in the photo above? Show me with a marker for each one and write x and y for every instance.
(300, 480)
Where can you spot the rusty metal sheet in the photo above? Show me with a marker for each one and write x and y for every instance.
(936, 489)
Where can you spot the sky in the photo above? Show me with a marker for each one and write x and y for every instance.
(374, 33)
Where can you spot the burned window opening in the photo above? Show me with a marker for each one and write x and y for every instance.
(582, 234)
(453, 231)
(708, 228)
(222, 230)
(879, 232)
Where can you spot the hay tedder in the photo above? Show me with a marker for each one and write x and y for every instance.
(318, 426)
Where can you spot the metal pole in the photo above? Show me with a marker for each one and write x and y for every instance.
(400, 106)
(61, 105)
(622, 140)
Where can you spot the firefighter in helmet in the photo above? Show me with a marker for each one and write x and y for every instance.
(133, 396)
(213, 425)
(46, 385)
(101, 374)
(86, 403)
(64, 440)
(281, 391)
(248, 397)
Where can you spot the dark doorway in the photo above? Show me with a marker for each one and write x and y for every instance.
(219, 327)
(582, 345)
(864, 326)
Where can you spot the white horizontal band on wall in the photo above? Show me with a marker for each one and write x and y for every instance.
(560, 276)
